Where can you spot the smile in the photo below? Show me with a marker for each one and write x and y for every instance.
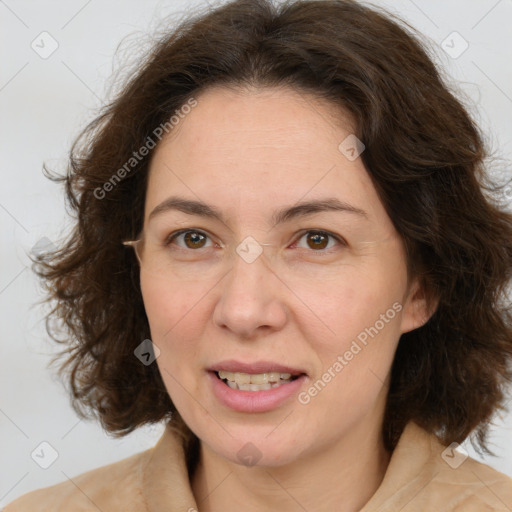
(255, 382)
(255, 398)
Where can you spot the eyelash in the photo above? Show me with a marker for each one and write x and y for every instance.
(170, 239)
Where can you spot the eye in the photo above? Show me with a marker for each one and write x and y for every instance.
(195, 239)
(319, 240)
(192, 238)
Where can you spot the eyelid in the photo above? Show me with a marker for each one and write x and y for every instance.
(341, 241)
(176, 234)
(298, 236)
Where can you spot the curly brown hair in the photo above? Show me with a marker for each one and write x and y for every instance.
(425, 156)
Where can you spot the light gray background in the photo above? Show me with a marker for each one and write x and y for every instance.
(43, 104)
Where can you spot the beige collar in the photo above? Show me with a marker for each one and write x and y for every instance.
(417, 479)
(165, 485)
(410, 469)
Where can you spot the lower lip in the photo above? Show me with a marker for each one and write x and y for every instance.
(254, 401)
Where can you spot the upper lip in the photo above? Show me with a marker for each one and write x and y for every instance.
(255, 367)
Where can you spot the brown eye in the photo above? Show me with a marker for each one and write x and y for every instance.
(191, 239)
(318, 241)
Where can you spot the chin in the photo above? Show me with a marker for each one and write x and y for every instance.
(256, 450)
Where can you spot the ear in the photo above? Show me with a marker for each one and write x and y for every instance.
(417, 308)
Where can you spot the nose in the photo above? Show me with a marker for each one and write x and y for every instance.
(251, 299)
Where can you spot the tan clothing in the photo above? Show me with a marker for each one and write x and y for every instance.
(418, 479)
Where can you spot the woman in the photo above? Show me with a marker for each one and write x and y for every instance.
(284, 251)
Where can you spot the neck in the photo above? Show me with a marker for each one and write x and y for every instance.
(343, 477)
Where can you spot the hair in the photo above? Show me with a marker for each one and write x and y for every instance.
(424, 154)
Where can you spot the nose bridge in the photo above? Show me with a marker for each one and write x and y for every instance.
(249, 297)
(251, 272)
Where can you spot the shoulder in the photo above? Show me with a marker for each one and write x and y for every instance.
(112, 488)
(424, 475)
(459, 483)
(472, 486)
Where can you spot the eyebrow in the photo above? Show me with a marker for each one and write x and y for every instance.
(302, 209)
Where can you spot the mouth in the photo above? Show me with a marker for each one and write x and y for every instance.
(255, 381)
(260, 386)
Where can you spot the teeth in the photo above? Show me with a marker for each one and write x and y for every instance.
(257, 382)
(274, 377)
(252, 387)
(226, 375)
(259, 378)
(243, 378)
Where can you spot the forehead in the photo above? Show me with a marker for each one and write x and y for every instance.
(251, 148)
(270, 118)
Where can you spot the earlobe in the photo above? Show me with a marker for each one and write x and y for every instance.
(418, 307)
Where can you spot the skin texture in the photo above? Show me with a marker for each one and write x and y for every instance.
(249, 152)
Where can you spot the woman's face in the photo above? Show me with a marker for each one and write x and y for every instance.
(326, 300)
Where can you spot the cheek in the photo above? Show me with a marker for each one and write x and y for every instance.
(355, 302)
(355, 359)
(171, 306)
(355, 353)
(175, 315)
(172, 314)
